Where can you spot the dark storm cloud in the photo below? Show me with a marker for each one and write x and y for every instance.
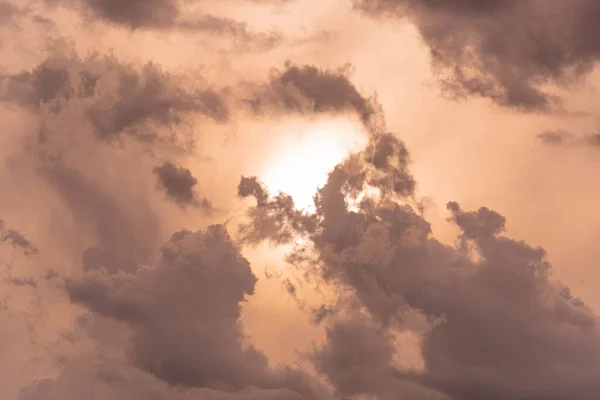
(114, 98)
(179, 184)
(498, 326)
(307, 89)
(503, 50)
(184, 312)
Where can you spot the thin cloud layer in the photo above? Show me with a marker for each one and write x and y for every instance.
(564, 138)
(507, 51)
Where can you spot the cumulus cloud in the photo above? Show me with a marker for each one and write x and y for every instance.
(184, 312)
(499, 326)
(507, 51)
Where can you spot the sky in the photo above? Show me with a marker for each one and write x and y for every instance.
(299, 200)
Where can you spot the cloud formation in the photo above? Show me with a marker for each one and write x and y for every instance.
(184, 315)
(497, 325)
(114, 98)
(173, 16)
(178, 183)
(508, 51)
(307, 89)
(139, 312)
(16, 239)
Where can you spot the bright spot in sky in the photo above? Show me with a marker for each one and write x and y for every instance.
(306, 154)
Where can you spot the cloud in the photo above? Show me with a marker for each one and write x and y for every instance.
(184, 313)
(307, 89)
(564, 138)
(121, 381)
(173, 15)
(16, 240)
(178, 183)
(554, 137)
(114, 98)
(150, 321)
(358, 359)
(498, 325)
(118, 245)
(136, 13)
(276, 219)
(507, 51)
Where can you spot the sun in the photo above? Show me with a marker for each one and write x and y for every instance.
(305, 155)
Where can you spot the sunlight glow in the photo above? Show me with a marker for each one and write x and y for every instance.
(306, 154)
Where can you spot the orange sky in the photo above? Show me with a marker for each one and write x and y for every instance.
(475, 151)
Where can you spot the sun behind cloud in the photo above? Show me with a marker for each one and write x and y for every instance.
(305, 155)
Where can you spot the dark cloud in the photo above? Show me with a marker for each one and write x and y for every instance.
(307, 89)
(179, 184)
(497, 325)
(114, 98)
(48, 82)
(276, 219)
(170, 15)
(184, 312)
(504, 50)
(136, 13)
(121, 381)
(358, 359)
(491, 322)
